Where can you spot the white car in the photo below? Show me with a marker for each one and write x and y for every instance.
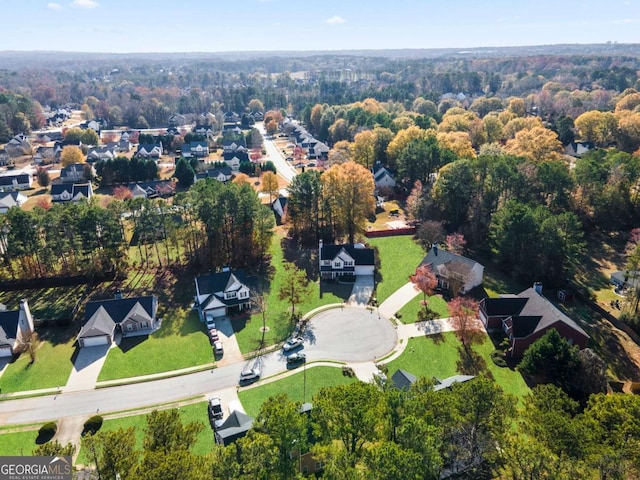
(292, 344)
(249, 376)
(217, 348)
(211, 324)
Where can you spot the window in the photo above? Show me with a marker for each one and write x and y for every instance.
(348, 263)
(326, 263)
(228, 295)
(318, 465)
(244, 294)
(305, 469)
(337, 264)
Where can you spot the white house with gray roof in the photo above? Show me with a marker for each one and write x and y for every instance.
(454, 271)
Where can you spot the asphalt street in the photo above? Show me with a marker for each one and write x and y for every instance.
(285, 170)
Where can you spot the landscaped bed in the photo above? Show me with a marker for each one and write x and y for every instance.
(439, 356)
(294, 387)
(180, 343)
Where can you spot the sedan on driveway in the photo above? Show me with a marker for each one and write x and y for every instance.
(292, 344)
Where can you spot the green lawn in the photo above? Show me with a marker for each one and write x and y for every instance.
(409, 313)
(180, 343)
(399, 257)
(293, 386)
(196, 412)
(51, 368)
(18, 443)
(438, 356)
(278, 316)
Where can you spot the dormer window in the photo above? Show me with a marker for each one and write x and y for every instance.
(228, 295)
(348, 263)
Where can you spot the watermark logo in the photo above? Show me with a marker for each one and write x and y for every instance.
(35, 468)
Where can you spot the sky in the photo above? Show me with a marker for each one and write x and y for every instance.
(123, 26)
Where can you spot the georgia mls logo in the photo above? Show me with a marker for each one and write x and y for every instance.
(35, 468)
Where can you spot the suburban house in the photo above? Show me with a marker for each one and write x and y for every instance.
(123, 145)
(454, 272)
(318, 151)
(195, 149)
(76, 173)
(577, 149)
(149, 150)
(44, 155)
(129, 316)
(383, 178)
(231, 117)
(232, 145)
(46, 137)
(222, 293)
(176, 119)
(526, 317)
(308, 464)
(101, 153)
(222, 174)
(15, 328)
(4, 157)
(279, 206)
(403, 380)
(71, 192)
(18, 145)
(626, 279)
(257, 116)
(205, 130)
(11, 199)
(349, 259)
(16, 181)
(234, 159)
(153, 189)
(233, 428)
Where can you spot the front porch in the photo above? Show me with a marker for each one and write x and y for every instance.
(125, 333)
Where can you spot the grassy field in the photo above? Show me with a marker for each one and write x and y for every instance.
(439, 356)
(278, 312)
(293, 386)
(18, 443)
(51, 368)
(196, 412)
(180, 343)
(399, 257)
(409, 313)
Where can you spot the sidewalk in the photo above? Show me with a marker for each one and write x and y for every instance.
(398, 299)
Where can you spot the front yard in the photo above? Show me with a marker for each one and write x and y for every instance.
(180, 343)
(439, 356)
(18, 443)
(294, 386)
(399, 257)
(437, 304)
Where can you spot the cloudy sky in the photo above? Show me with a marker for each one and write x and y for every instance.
(245, 25)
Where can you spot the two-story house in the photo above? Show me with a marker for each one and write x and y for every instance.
(222, 293)
(349, 259)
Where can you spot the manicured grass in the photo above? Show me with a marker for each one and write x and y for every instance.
(399, 257)
(45, 303)
(196, 412)
(409, 313)
(18, 443)
(438, 356)
(51, 368)
(293, 386)
(180, 343)
(278, 312)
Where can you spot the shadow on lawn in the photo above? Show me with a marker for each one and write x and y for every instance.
(130, 343)
(340, 290)
(305, 258)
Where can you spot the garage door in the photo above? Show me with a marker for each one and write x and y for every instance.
(5, 351)
(218, 312)
(95, 341)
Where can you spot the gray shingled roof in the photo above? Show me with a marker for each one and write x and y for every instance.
(8, 327)
(102, 316)
(448, 382)
(437, 257)
(235, 426)
(403, 379)
(361, 256)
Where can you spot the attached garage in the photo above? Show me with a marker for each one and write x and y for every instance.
(5, 351)
(95, 341)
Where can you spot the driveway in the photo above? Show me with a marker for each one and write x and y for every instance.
(398, 299)
(86, 368)
(361, 291)
(230, 346)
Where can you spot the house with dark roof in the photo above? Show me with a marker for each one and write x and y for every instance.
(526, 317)
(76, 173)
(222, 293)
(234, 159)
(128, 316)
(625, 279)
(257, 116)
(16, 181)
(349, 259)
(11, 199)
(102, 153)
(233, 144)
(222, 174)
(15, 328)
(279, 207)
(236, 426)
(205, 130)
(44, 155)
(152, 189)
(231, 117)
(195, 149)
(318, 151)
(383, 178)
(71, 192)
(403, 380)
(577, 149)
(455, 273)
(149, 150)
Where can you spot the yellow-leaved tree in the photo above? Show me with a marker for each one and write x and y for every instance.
(71, 154)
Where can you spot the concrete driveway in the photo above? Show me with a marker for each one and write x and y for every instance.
(362, 290)
(230, 346)
(398, 299)
(86, 368)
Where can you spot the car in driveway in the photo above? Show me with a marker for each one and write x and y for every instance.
(292, 344)
(249, 376)
(213, 336)
(210, 321)
(215, 408)
(296, 359)
(217, 348)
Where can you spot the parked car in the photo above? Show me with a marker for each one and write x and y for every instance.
(215, 408)
(292, 344)
(249, 376)
(296, 359)
(213, 336)
(209, 320)
(289, 159)
(217, 348)
(311, 164)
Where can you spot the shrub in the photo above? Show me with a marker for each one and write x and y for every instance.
(498, 358)
(92, 425)
(46, 432)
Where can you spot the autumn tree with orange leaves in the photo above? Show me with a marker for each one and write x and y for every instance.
(464, 312)
(424, 280)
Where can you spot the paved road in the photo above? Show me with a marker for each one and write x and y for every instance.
(349, 334)
(285, 170)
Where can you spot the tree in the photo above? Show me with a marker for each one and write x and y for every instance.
(71, 154)
(429, 233)
(348, 189)
(241, 179)
(464, 314)
(295, 287)
(452, 192)
(43, 177)
(255, 105)
(456, 243)
(303, 206)
(538, 144)
(552, 359)
(113, 452)
(363, 149)
(258, 456)
(122, 193)
(270, 185)
(54, 449)
(184, 173)
(415, 204)
(424, 280)
(389, 461)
